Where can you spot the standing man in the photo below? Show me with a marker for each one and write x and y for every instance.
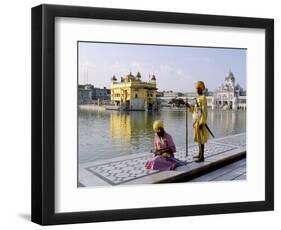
(199, 116)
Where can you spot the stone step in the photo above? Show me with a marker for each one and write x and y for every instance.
(192, 170)
(230, 171)
(127, 170)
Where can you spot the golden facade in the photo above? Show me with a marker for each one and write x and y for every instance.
(131, 93)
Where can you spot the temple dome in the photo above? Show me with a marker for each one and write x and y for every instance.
(230, 76)
(114, 78)
(138, 75)
(130, 76)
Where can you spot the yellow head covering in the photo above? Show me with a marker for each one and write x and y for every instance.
(158, 124)
(200, 84)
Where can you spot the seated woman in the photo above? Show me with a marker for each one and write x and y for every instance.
(164, 150)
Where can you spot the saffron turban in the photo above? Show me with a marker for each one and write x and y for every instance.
(158, 124)
(200, 84)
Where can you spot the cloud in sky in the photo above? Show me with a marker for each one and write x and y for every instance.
(176, 68)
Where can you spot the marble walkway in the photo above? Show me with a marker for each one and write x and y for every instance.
(128, 170)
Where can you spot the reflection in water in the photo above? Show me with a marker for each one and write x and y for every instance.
(107, 134)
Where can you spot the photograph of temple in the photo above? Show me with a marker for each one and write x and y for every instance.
(150, 114)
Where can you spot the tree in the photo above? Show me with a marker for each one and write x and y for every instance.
(178, 102)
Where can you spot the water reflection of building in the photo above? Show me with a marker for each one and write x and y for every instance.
(125, 125)
(120, 126)
(131, 93)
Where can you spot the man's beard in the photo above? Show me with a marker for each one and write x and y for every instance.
(160, 134)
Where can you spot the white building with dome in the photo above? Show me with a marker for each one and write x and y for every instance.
(229, 95)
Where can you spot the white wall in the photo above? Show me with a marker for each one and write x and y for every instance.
(15, 113)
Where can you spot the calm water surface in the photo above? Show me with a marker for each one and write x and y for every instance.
(107, 134)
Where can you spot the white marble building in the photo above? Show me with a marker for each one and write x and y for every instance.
(229, 95)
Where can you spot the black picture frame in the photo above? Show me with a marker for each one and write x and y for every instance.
(43, 114)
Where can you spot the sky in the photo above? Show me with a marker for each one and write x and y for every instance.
(175, 67)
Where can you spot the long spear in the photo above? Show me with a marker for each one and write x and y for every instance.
(186, 128)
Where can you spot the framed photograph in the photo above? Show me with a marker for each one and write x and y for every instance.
(149, 114)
